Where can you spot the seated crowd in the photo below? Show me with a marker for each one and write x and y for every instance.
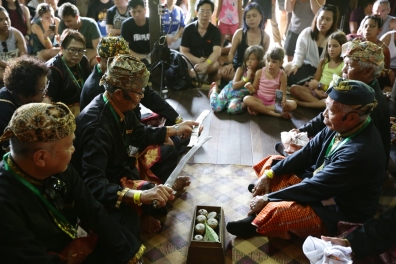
(79, 166)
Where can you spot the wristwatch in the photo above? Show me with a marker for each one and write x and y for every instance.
(177, 129)
(320, 85)
(265, 198)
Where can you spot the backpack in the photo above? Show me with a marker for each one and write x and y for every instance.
(176, 75)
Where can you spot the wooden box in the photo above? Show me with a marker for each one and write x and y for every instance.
(207, 252)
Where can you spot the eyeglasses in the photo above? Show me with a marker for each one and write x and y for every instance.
(141, 95)
(44, 89)
(75, 51)
(205, 11)
(4, 44)
(56, 189)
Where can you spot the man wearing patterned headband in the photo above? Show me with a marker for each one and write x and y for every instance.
(363, 61)
(115, 153)
(346, 184)
(43, 198)
(109, 47)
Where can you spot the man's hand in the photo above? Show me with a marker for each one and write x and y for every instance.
(256, 205)
(186, 127)
(262, 186)
(161, 193)
(336, 241)
(201, 67)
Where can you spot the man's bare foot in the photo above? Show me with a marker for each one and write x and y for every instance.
(250, 111)
(150, 225)
(180, 183)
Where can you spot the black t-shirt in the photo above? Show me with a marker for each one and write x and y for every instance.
(137, 36)
(97, 10)
(115, 18)
(200, 46)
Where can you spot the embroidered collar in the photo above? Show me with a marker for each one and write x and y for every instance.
(21, 173)
(119, 113)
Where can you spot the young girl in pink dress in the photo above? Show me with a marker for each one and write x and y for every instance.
(266, 82)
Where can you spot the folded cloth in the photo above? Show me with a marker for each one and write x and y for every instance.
(319, 251)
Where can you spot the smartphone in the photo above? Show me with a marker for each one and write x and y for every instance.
(278, 101)
(52, 27)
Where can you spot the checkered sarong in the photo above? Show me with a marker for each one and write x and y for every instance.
(280, 219)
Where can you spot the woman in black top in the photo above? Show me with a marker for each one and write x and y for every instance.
(251, 34)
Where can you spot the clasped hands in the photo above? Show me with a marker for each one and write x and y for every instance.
(261, 187)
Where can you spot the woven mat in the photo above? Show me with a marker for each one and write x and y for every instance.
(226, 186)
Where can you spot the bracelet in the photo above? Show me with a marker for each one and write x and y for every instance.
(47, 39)
(348, 244)
(179, 119)
(136, 198)
(177, 129)
(120, 197)
(245, 79)
(208, 61)
(269, 173)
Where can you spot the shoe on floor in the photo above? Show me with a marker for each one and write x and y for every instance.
(280, 149)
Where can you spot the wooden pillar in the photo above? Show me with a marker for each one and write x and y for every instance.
(155, 31)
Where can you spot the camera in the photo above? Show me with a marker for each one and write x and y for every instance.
(52, 27)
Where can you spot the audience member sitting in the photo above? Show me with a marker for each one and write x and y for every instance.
(201, 43)
(69, 70)
(313, 93)
(25, 79)
(109, 47)
(358, 14)
(135, 30)
(116, 15)
(266, 82)
(310, 45)
(44, 199)
(371, 26)
(231, 96)
(390, 41)
(374, 237)
(19, 17)
(44, 35)
(349, 169)
(111, 144)
(86, 26)
(301, 18)
(173, 22)
(12, 42)
(251, 34)
(97, 10)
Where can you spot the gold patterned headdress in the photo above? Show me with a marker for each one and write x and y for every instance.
(126, 72)
(111, 46)
(365, 51)
(40, 122)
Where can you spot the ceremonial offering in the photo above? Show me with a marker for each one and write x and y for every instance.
(212, 223)
(198, 238)
(212, 215)
(200, 229)
(201, 219)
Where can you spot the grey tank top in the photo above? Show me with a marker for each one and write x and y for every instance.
(302, 16)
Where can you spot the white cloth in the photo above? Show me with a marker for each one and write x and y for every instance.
(319, 251)
(306, 50)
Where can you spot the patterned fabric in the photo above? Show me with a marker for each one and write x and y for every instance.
(280, 219)
(40, 122)
(363, 51)
(355, 93)
(126, 72)
(228, 98)
(111, 46)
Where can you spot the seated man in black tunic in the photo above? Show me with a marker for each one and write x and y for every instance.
(46, 207)
(109, 47)
(349, 164)
(115, 152)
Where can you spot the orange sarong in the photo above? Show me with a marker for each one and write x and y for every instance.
(280, 219)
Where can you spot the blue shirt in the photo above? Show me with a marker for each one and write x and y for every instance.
(172, 20)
